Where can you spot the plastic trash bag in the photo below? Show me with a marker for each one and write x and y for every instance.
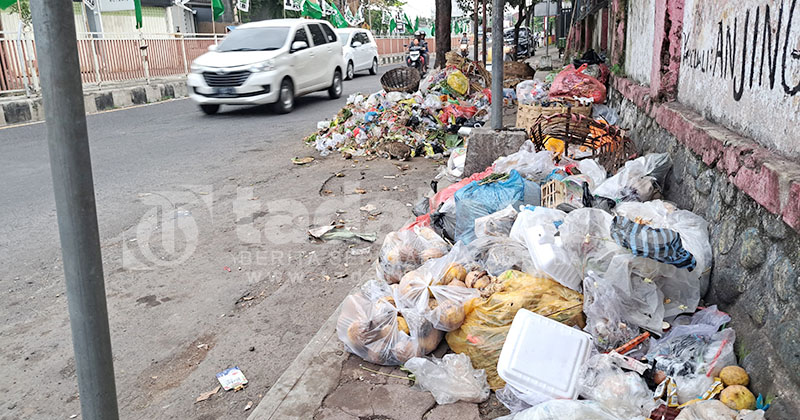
(432, 102)
(564, 410)
(694, 346)
(456, 161)
(405, 250)
(593, 169)
(608, 114)
(692, 386)
(573, 82)
(498, 254)
(534, 166)
(605, 314)
(498, 223)
(693, 230)
(638, 180)
(450, 378)
(716, 410)
(530, 92)
(458, 82)
(480, 199)
(659, 244)
(548, 256)
(371, 327)
(516, 400)
(624, 394)
(431, 291)
(488, 320)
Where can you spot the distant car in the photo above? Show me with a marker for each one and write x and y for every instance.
(268, 62)
(360, 51)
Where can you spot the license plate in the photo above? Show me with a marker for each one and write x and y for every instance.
(225, 91)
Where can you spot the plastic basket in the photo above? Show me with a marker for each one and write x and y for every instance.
(401, 79)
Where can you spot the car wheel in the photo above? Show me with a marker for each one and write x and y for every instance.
(285, 102)
(209, 109)
(350, 71)
(374, 69)
(335, 91)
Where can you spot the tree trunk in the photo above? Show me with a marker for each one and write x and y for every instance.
(520, 17)
(443, 16)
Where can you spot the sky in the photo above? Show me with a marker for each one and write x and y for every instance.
(425, 8)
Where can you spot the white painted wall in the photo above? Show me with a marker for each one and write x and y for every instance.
(639, 40)
(763, 111)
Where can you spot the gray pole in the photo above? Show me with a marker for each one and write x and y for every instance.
(54, 27)
(497, 64)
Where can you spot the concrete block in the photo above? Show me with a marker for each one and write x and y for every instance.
(139, 96)
(37, 109)
(486, 145)
(122, 97)
(181, 90)
(153, 93)
(89, 104)
(103, 101)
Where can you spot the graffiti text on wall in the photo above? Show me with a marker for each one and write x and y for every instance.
(750, 51)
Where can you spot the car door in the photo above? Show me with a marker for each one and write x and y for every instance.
(363, 51)
(302, 61)
(334, 47)
(321, 56)
(372, 48)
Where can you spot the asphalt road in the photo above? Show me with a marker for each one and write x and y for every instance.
(229, 278)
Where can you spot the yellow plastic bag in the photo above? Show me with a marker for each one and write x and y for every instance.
(458, 82)
(486, 325)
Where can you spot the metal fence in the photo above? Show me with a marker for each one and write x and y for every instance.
(121, 57)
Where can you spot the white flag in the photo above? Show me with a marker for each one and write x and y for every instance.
(295, 5)
(243, 5)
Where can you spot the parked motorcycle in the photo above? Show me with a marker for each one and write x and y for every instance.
(464, 48)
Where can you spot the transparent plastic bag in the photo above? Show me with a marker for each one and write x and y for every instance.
(658, 244)
(693, 230)
(573, 82)
(624, 394)
(456, 161)
(638, 180)
(516, 400)
(564, 410)
(450, 379)
(605, 310)
(585, 234)
(530, 92)
(371, 327)
(479, 199)
(432, 102)
(716, 410)
(537, 230)
(593, 169)
(533, 166)
(498, 254)
(488, 320)
(437, 291)
(406, 250)
(496, 224)
(695, 347)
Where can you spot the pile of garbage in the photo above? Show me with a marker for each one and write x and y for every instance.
(569, 291)
(402, 125)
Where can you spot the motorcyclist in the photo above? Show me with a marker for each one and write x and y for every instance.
(419, 40)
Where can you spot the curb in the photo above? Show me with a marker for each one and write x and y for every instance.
(312, 375)
(27, 110)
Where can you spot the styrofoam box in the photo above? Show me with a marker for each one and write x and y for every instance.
(542, 355)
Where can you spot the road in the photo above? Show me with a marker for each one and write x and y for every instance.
(203, 225)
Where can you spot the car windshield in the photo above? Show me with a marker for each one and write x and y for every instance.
(254, 39)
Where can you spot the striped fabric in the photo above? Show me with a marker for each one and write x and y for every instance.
(662, 245)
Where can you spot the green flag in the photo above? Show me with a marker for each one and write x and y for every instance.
(337, 18)
(311, 10)
(416, 24)
(5, 4)
(137, 10)
(407, 23)
(433, 29)
(392, 25)
(217, 9)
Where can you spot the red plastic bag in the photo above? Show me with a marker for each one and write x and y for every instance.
(571, 82)
(453, 110)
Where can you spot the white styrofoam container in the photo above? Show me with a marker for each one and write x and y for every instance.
(543, 356)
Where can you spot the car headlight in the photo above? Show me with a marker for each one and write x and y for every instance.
(195, 68)
(263, 66)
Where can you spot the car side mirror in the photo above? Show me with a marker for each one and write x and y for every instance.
(213, 47)
(356, 44)
(299, 45)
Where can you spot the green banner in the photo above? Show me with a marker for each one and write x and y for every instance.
(137, 10)
(5, 4)
(217, 9)
(337, 19)
(311, 10)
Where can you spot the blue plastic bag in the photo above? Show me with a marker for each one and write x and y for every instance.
(476, 200)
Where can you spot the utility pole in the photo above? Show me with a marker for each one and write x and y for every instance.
(497, 64)
(485, 36)
(475, 30)
(71, 169)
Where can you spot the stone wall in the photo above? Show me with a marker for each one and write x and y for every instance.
(639, 40)
(756, 258)
(740, 67)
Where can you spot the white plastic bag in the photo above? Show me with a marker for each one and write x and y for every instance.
(605, 314)
(498, 254)
(638, 180)
(624, 394)
(456, 161)
(516, 400)
(716, 410)
(498, 223)
(406, 250)
(533, 166)
(531, 91)
(450, 378)
(564, 410)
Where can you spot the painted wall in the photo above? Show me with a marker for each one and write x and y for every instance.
(740, 67)
(639, 40)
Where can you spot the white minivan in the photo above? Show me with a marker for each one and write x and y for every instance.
(360, 51)
(268, 62)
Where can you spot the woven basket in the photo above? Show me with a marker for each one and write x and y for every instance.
(517, 70)
(607, 143)
(528, 114)
(401, 79)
